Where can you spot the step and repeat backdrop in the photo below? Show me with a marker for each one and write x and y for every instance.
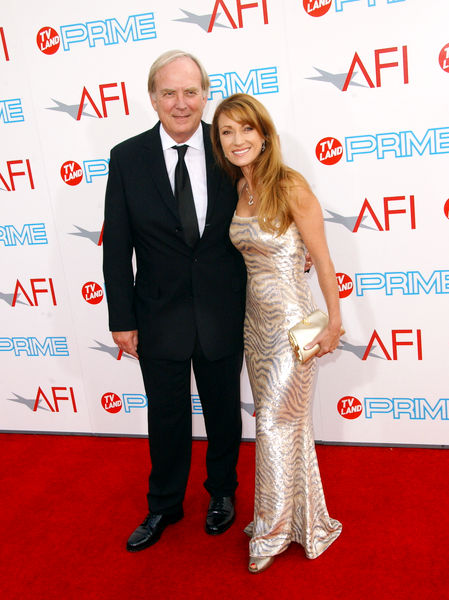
(359, 92)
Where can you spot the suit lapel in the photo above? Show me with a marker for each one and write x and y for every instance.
(154, 157)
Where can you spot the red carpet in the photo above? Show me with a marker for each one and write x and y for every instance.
(69, 504)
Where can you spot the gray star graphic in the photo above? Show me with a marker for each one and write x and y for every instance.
(8, 298)
(359, 351)
(337, 79)
(28, 402)
(248, 407)
(202, 20)
(348, 222)
(112, 350)
(93, 236)
(70, 109)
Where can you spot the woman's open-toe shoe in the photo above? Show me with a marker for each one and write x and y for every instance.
(257, 564)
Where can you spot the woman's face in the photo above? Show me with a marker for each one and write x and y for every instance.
(240, 142)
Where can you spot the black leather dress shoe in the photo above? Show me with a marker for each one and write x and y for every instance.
(149, 532)
(220, 514)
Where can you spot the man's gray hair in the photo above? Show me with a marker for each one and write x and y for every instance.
(170, 56)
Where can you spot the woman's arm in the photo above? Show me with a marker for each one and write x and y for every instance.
(308, 217)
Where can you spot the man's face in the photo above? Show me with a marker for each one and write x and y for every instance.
(178, 98)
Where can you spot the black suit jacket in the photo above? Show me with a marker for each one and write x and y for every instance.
(177, 292)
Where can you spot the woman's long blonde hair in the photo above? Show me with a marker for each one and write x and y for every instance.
(272, 180)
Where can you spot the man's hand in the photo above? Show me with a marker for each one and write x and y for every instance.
(126, 341)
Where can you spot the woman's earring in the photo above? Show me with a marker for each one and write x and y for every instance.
(263, 147)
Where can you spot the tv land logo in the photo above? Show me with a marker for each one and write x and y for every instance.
(257, 81)
(92, 292)
(29, 234)
(107, 32)
(72, 173)
(113, 403)
(392, 205)
(400, 144)
(412, 409)
(345, 285)
(30, 346)
(11, 111)
(232, 10)
(443, 58)
(16, 169)
(318, 8)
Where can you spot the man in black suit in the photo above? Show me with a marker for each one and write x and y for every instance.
(172, 206)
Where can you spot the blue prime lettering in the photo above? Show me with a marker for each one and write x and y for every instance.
(410, 283)
(32, 234)
(31, 346)
(257, 81)
(402, 144)
(109, 31)
(11, 111)
(415, 409)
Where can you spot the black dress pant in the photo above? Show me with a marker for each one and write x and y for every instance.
(167, 385)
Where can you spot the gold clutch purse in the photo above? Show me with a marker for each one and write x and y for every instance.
(305, 331)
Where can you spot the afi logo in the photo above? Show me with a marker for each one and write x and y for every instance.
(87, 97)
(72, 172)
(92, 292)
(357, 62)
(349, 407)
(262, 6)
(3, 45)
(444, 58)
(345, 285)
(329, 151)
(48, 40)
(395, 342)
(53, 398)
(12, 169)
(34, 291)
(387, 211)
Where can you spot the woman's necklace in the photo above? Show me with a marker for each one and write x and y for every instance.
(250, 196)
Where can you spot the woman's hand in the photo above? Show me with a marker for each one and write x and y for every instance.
(328, 340)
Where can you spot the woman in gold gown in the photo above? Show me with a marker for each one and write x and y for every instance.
(277, 217)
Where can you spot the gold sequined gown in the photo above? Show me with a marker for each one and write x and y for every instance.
(289, 500)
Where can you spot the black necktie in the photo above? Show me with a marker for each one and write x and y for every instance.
(184, 197)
